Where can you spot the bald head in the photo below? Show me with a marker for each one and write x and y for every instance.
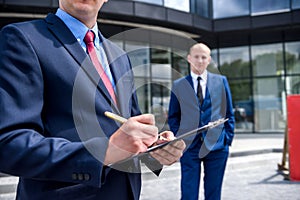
(200, 47)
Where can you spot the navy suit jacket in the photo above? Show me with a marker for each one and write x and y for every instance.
(186, 114)
(53, 133)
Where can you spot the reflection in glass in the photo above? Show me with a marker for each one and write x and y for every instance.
(230, 8)
(200, 7)
(161, 74)
(160, 55)
(143, 93)
(268, 104)
(157, 2)
(139, 56)
(160, 93)
(213, 65)
(183, 5)
(267, 59)
(162, 71)
(259, 97)
(242, 103)
(269, 6)
(292, 85)
(179, 65)
(234, 62)
(295, 4)
(292, 56)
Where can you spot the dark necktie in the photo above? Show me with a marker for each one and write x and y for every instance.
(199, 91)
(89, 41)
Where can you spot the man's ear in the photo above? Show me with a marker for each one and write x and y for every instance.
(188, 58)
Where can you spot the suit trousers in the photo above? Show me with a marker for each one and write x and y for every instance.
(214, 164)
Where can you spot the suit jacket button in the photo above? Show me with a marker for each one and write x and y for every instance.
(87, 177)
(74, 176)
(80, 177)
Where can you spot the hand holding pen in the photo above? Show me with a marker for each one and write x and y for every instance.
(164, 136)
(134, 136)
(137, 134)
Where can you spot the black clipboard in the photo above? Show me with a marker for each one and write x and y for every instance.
(210, 125)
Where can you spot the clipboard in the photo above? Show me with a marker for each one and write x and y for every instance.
(196, 131)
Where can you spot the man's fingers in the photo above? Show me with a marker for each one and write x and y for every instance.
(170, 153)
(145, 119)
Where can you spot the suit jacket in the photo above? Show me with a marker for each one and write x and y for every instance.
(185, 112)
(53, 133)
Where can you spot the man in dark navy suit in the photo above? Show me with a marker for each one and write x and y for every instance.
(53, 131)
(196, 100)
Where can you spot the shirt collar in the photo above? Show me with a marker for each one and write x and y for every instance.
(77, 28)
(203, 76)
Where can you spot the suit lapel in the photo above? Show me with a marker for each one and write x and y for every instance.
(217, 95)
(60, 30)
(190, 80)
(123, 79)
(62, 33)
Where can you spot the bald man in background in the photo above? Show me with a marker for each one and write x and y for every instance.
(197, 99)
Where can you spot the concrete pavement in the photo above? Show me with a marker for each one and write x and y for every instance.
(251, 173)
(247, 144)
(246, 178)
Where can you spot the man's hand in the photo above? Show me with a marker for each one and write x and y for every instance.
(170, 153)
(133, 137)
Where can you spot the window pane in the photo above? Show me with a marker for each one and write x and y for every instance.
(160, 62)
(161, 74)
(296, 4)
(160, 55)
(268, 104)
(293, 85)
(230, 8)
(213, 66)
(243, 104)
(269, 6)
(267, 59)
(139, 56)
(234, 62)
(200, 7)
(292, 56)
(183, 5)
(161, 71)
(158, 2)
(179, 65)
(160, 102)
(143, 93)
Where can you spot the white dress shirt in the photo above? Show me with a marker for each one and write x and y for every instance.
(203, 81)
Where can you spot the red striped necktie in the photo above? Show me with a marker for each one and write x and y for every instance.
(89, 41)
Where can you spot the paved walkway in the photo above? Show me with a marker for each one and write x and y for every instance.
(251, 173)
(245, 144)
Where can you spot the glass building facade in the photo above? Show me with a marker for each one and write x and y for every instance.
(255, 44)
(215, 8)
